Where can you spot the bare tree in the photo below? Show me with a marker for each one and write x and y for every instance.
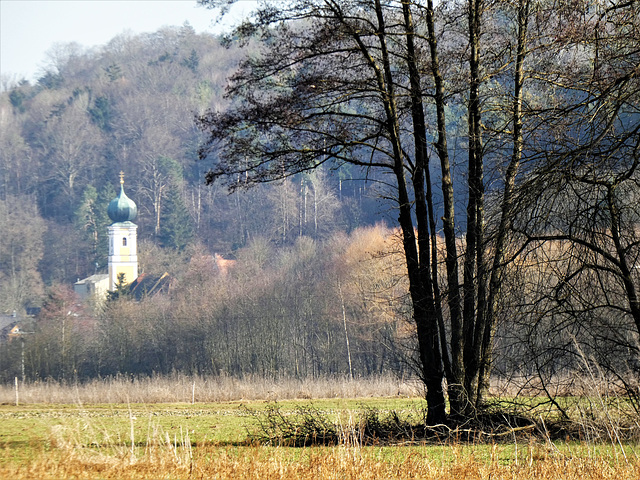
(345, 82)
(21, 249)
(577, 206)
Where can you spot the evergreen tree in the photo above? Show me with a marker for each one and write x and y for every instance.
(177, 229)
(122, 290)
(192, 61)
(101, 113)
(91, 220)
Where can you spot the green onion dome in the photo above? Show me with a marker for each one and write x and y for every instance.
(122, 208)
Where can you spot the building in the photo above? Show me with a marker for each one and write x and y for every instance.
(123, 250)
(123, 253)
(14, 325)
(8, 325)
(148, 285)
(95, 286)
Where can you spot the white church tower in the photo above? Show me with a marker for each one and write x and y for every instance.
(123, 255)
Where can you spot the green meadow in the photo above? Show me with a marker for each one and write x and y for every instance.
(213, 440)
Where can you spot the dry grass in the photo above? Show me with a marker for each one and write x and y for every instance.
(166, 460)
(91, 448)
(183, 388)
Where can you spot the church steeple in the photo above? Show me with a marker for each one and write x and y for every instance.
(122, 208)
(123, 256)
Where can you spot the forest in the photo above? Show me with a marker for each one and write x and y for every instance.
(131, 106)
(446, 190)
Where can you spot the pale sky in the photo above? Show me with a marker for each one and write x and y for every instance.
(30, 28)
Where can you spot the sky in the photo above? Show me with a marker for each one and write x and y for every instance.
(30, 28)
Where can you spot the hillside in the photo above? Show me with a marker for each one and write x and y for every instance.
(130, 106)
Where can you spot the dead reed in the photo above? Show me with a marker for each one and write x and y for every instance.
(169, 460)
(184, 388)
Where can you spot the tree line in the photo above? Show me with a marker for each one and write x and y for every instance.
(313, 309)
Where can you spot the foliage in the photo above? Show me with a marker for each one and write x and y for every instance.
(303, 427)
(122, 291)
(59, 346)
(532, 105)
(311, 310)
(91, 222)
(21, 249)
(341, 87)
(64, 140)
(100, 113)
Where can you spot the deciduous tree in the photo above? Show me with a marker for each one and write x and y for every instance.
(352, 82)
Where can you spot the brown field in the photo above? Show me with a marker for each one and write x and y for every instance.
(178, 439)
(183, 388)
(322, 463)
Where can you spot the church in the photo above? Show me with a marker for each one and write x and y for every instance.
(123, 256)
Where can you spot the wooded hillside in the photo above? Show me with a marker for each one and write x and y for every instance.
(130, 106)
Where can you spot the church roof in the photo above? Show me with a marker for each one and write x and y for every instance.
(98, 277)
(122, 208)
(149, 285)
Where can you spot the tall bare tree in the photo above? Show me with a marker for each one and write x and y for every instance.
(356, 83)
(581, 205)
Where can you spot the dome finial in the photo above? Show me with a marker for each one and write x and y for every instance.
(121, 177)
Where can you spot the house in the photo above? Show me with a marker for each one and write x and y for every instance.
(95, 286)
(8, 325)
(14, 326)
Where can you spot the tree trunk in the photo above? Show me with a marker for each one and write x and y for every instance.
(428, 321)
(456, 374)
(474, 269)
(487, 330)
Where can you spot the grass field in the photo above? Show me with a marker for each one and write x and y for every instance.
(181, 440)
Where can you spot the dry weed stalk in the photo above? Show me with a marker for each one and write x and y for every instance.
(340, 462)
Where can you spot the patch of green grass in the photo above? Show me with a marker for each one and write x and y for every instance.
(28, 429)
(107, 429)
